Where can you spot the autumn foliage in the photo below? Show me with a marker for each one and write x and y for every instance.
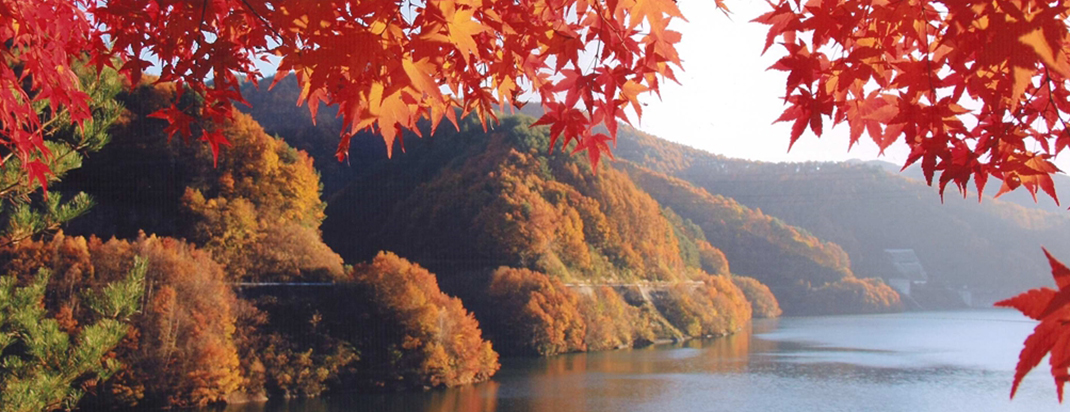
(807, 275)
(746, 235)
(180, 351)
(257, 210)
(763, 303)
(865, 208)
(183, 353)
(384, 64)
(614, 323)
(1050, 336)
(537, 314)
(586, 256)
(974, 89)
(420, 335)
(387, 326)
(512, 203)
(716, 307)
(848, 295)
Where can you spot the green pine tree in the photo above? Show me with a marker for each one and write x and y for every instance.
(26, 210)
(42, 367)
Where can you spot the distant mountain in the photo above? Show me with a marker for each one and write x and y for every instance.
(1019, 197)
(992, 247)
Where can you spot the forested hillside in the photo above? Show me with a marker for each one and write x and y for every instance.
(502, 222)
(537, 249)
(476, 202)
(991, 247)
(465, 202)
(807, 274)
(219, 237)
(484, 234)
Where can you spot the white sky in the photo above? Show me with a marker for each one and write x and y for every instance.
(727, 101)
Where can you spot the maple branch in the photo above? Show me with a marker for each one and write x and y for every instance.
(601, 16)
(204, 12)
(264, 21)
(1051, 102)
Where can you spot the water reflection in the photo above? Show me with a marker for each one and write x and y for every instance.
(474, 398)
(954, 361)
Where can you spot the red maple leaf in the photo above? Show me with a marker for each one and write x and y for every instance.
(1052, 335)
(177, 120)
(39, 171)
(215, 139)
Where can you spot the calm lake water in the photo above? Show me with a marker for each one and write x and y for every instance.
(938, 361)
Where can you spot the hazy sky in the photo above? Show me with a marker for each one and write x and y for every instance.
(727, 101)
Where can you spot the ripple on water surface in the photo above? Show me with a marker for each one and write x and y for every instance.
(910, 362)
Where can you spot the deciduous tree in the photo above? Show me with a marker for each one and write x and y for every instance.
(183, 353)
(386, 64)
(425, 338)
(538, 314)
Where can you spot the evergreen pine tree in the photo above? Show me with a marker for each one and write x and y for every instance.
(41, 366)
(26, 207)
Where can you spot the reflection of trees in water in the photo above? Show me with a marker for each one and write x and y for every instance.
(571, 382)
(564, 383)
(732, 354)
(475, 398)
(482, 397)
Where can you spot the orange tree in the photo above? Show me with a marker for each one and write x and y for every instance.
(974, 88)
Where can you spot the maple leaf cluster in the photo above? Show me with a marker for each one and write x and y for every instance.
(386, 64)
(37, 42)
(1052, 308)
(974, 88)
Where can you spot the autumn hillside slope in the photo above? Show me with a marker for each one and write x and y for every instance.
(552, 266)
(465, 202)
(210, 229)
(807, 274)
(992, 248)
(435, 203)
(504, 225)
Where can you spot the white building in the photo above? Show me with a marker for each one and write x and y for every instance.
(906, 270)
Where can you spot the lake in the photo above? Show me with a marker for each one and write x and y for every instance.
(927, 361)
